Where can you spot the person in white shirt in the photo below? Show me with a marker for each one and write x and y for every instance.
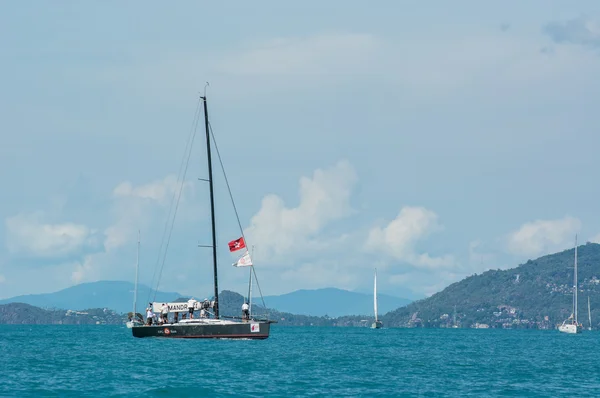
(191, 304)
(164, 311)
(245, 311)
(149, 315)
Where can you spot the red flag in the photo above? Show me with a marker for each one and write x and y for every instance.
(237, 244)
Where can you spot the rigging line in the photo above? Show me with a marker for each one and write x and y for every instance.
(226, 180)
(187, 145)
(233, 203)
(260, 291)
(187, 163)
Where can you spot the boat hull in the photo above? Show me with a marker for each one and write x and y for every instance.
(131, 324)
(377, 325)
(241, 330)
(570, 328)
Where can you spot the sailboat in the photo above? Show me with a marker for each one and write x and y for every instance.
(215, 326)
(571, 324)
(134, 319)
(377, 324)
(589, 315)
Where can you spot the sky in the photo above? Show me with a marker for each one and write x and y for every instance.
(430, 141)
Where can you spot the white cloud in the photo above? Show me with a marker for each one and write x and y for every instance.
(84, 269)
(26, 234)
(161, 191)
(542, 236)
(133, 206)
(2, 278)
(279, 231)
(324, 54)
(399, 238)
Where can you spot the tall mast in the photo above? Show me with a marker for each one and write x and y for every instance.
(212, 208)
(454, 315)
(575, 277)
(375, 295)
(137, 266)
(589, 313)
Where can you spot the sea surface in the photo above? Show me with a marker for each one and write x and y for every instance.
(79, 361)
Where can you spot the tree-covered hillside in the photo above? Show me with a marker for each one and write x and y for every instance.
(537, 294)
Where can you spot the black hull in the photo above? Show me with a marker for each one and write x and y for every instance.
(247, 330)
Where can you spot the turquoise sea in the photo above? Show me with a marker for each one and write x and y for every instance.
(80, 361)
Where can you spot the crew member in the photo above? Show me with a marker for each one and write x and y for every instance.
(164, 311)
(149, 315)
(191, 304)
(245, 311)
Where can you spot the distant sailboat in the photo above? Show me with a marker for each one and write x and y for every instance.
(571, 325)
(454, 325)
(377, 324)
(589, 315)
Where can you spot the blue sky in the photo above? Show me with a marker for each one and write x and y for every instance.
(431, 141)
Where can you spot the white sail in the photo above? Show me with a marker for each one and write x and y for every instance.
(375, 296)
(589, 314)
(575, 282)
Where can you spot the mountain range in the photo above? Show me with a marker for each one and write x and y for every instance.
(115, 295)
(118, 296)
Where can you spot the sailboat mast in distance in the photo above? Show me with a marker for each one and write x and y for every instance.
(571, 324)
(377, 324)
(454, 316)
(589, 314)
(375, 295)
(575, 281)
(212, 207)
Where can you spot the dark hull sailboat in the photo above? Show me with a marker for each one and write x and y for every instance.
(212, 327)
(207, 330)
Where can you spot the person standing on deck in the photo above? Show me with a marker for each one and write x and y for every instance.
(164, 311)
(191, 304)
(149, 315)
(245, 311)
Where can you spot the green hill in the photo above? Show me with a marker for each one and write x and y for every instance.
(537, 294)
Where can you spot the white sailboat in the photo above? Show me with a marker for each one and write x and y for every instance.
(571, 324)
(377, 324)
(134, 320)
(589, 315)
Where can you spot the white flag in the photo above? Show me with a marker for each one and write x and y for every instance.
(244, 261)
